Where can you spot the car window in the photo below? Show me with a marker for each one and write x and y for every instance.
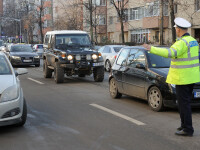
(40, 46)
(121, 60)
(156, 61)
(4, 66)
(135, 57)
(107, 50)
(117, 49)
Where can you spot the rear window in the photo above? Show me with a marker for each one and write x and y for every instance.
(117, 49)
(39, 46)
(4, 66)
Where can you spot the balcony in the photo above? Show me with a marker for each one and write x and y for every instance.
(154, 22)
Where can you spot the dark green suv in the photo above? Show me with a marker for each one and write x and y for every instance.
(70, 52)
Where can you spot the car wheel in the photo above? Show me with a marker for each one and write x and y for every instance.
(58, 74)
(107, 66)
(38, 65)
(24, 115)
(113, 89)
(81, 75)
(47, 72)
(155, 99)
(98, 74)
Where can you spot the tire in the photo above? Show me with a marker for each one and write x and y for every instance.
(38, 65)
(155, 99)
(58, 74)
(98, 74)
(107, 66)
(113, 89)
(81, 75)
(47, 72)
(24, 115)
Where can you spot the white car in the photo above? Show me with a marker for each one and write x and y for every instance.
(13, 109)
(109, 53)
(39, 49)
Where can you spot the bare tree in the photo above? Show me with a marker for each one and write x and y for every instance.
(120, 6)
(40, 22)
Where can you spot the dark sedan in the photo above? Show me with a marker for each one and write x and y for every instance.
(21, 54)
(141, 74)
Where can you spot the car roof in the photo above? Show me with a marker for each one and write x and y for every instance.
(66, 32)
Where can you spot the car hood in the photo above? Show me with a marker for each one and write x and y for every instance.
(6, 81)
(81, 51)
(23, 54)
(161, 71)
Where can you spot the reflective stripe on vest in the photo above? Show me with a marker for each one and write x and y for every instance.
(184, 66)
(170, 53)
(189, 54)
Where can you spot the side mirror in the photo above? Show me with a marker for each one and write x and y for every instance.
(49, 45)
(21, 71)
(140, 66)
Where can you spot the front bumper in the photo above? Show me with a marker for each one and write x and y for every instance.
(11, 111)
(25, 62)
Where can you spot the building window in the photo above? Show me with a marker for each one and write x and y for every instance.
(140, 36)
(99, 2)
(101, 19)
(133, 14)
(197, 5)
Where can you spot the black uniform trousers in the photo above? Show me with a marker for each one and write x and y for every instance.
(184, 95)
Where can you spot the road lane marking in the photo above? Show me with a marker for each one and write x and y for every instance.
(35, 81)
(118, 114)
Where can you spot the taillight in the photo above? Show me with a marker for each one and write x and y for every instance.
(115, 56)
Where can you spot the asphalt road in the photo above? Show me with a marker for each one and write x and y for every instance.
(80, 115)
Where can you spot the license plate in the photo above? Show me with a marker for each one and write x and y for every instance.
(28, 60)
(196, 94)
(98, 64)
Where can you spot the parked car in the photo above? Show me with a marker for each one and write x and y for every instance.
(141, 74)
(21, 54)
(109, 53)
(39, 49)
(13, 109)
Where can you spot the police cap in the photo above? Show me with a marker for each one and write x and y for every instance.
(182, 23)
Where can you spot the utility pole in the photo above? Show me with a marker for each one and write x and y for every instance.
(161, 22)
(171, 2)
(91, 20)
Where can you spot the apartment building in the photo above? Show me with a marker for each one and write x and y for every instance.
(142, 20)
(99, 22)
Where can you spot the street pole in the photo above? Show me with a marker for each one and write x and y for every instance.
(20, 31)
(161, 22)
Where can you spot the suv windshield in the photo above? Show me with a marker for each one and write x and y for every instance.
(21, 48)
(4, 66)
(72, 40)
(156, 61)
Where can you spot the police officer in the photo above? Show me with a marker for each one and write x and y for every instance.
(183, 72)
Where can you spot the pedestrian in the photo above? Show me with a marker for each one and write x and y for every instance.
(183, 72)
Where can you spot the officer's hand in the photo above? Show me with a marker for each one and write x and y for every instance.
(147, 47)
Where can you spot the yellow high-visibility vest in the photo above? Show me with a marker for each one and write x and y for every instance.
(184, 54)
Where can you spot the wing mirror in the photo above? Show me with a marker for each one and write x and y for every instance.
(21, 71)
(140, 66)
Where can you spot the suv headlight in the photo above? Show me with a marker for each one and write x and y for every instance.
(94, 56)
(70, 57)
(16, 57)
(10, 93)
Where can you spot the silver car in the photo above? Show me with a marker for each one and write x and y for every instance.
(13, 109)
(109, 53)
(39, 49)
